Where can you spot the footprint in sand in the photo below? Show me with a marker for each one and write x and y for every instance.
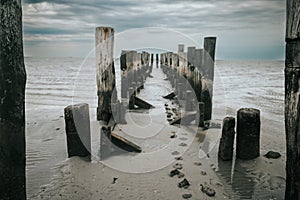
(183, 138)
(182, 144)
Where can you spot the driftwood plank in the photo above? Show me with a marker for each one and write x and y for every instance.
(142, 104)
(125, 144)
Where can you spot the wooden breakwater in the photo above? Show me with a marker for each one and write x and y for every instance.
(192, 71)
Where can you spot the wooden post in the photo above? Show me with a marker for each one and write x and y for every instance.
(248, 133)
(191, 56)
(151, 58)
(189, 101)
(131, 98)
(227, 139)
(105, 71)
(105, 142)
(200, 116)
(12, 98)
(180, 48)
(206, 97)
(199, 60)
(124, 85)
(292, 103)
(209, 57)
(77, 120)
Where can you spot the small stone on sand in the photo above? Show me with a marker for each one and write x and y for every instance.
(114, 180)
(175, 153)
(178, 166)
(203, 173)
(182, 144)
(174, 172)
(186, 196)
(198, 163)
(184, 184)
(207, 190)
(173, 135)
(272, 154)
(178, 158)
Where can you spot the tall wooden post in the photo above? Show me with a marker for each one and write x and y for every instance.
(209, 57)
(105, 71)
(12, 97)
(292, 101)
(208, 74)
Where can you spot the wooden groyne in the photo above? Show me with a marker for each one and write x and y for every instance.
(192, 71)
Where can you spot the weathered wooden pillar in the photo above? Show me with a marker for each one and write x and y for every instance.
(200, 116)
(189, 101)
(12, 98)
(227, 139)
(105, 71)
(248, 133)
(77, 120)
(191, 56)
(198, 85)
(152, 58)
(292, 102)
(199, 60)
(209, 57)
(124, 85)
(180, 48)
(131, 98)
(105, 142)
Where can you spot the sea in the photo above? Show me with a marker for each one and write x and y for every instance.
(54, 83)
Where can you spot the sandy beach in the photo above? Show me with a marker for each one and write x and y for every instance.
(50, 175)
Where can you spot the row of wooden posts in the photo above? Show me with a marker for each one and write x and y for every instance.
(248, 135)
(12, 106)
(192, 72)
(135, 69)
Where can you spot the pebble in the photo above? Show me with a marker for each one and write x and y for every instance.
(174, 172)
(272, 154)
(183, 144)
(178, 158)
(186, 196)
(203, 173)
(173, 135)
(184, 184)
(178, 166)
(208, 191)
(175, 153)
(198, 163)
(114, 180)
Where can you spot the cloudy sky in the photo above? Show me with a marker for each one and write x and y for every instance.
(245, 29)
